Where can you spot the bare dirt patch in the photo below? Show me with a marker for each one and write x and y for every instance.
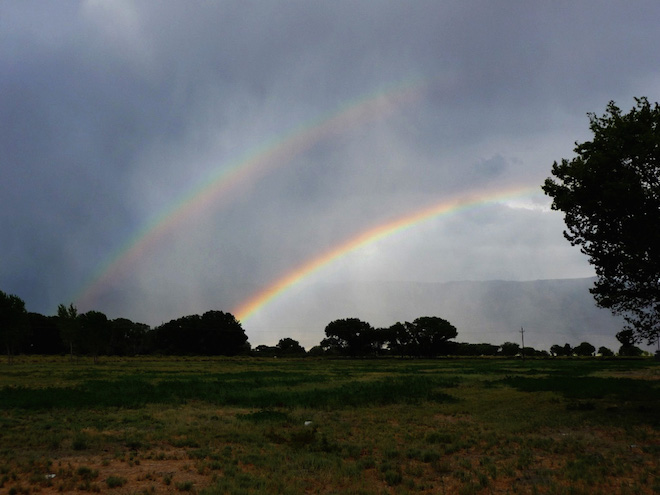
(169, 472)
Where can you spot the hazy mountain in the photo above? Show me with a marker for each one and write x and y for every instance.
(550, 311)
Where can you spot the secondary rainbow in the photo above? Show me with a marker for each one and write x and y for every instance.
(370, 236)
(247, 169)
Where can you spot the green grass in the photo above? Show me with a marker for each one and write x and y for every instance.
(341, 426)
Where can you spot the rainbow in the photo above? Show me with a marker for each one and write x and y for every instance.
(370, 236)
(249, 168)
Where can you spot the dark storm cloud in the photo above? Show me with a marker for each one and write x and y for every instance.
(112, 112)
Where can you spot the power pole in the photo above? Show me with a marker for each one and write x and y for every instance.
(522, 336)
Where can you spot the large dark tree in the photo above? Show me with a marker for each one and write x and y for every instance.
(69, 325)
(610, 196)
(350, 336)
(584, 349)
(213, 333)
(290, 347)
(430, 335)
(95, 333)
(13, 322)
(44, 335)
(221, 333)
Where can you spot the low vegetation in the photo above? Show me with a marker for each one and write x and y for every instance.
(248, 425)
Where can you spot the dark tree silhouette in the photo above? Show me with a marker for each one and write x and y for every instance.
(44, 335)
(510, 349)
(627, 339)
(610, 196)
(69, 325)
(584, 349)
(430, 335)
(350, 336)
(213, 333)
(290, 347)
(13, 323)
(95, 333)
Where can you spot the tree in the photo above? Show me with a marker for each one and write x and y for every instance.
(399, 338)
(222, 334)
(510, 349)
(69, 325)
(557, 350)
(44, 335)
(127, 337)
(13, 322)
(290, 347)
(627, 339)
(350, 336)
(213, 333)
(430, 336)
(605, 352)
(584, 349)
(95, 333)
(610, 197)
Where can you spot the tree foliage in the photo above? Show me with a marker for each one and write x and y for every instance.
(213, 333)
(430, 335)
(610, 196)
(627, 339)
(69, 325)
(584, 349)
(13, 322)
(350, 336)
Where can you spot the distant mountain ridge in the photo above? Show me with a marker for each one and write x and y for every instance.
(551, 311)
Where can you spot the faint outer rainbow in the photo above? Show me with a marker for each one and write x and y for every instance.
(370, 236)
(250, 167)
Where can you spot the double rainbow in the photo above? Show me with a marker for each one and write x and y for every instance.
(249, 168)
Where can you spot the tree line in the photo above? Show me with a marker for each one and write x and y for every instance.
(94, 334)
(216, 333)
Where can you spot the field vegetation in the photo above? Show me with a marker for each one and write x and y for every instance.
(361, 426)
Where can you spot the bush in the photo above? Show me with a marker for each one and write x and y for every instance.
(115, 481)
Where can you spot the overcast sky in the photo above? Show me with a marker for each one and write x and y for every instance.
(113, 112)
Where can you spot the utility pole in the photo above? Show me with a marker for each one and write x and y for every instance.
(522, 336)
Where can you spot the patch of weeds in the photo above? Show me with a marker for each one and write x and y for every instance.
(366, 462)
(265, 416)
(483, 479)
(469, 488)
(442, 467)
(429, 456)
(525, 459)
(586, 467)
(391, 453)
(185, 442)
(115, 481)
(184, 486)
(393, 477)
(581, 405)
(134, 443)
(438, 437)
(302, 437)
(199, 453)
(81, 441)
(464, 476)
(87, 473)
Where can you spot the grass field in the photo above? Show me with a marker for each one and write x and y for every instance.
(241, 426)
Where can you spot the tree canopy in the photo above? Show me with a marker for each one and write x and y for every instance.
(13, 322)
(610, 196)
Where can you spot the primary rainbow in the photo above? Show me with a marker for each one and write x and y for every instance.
(248, 168)
(370, 236)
